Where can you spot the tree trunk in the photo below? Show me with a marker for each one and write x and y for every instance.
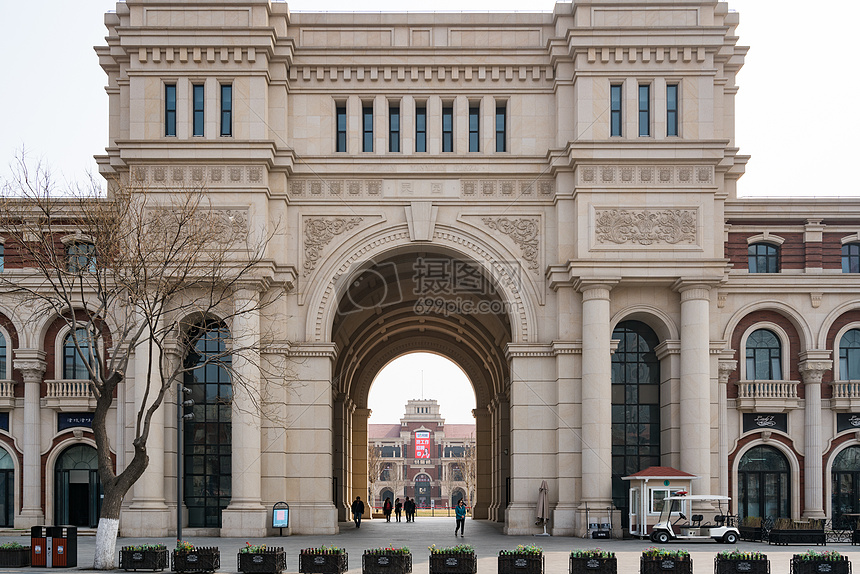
(106, 544)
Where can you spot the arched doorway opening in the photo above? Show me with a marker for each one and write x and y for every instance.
(77, 488)
(7, 489)
(414, 301)
(845, 477)
(764, 484)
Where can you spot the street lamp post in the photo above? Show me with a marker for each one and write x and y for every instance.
(181, 416)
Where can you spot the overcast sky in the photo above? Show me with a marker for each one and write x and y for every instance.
(799, 67)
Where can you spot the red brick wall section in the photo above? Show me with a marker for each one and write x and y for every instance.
(795, 481)
(792, 253)
(831, 250)
(740, 354)
(813, 254)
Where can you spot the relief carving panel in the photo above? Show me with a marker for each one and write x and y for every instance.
(645, 226)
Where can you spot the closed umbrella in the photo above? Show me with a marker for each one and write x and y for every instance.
(543, 507)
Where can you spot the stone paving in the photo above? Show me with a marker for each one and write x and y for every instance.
(486, 537)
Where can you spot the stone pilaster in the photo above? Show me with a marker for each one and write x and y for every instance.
(360, 486)
(813, 365)
(695, 379)
(31, 364)
(567, 355)
(727, 365)
(246, 515)
(483, 494)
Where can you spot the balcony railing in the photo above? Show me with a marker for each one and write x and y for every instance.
(846, 395)
(69, 395)
(7, 394)
(768, 396)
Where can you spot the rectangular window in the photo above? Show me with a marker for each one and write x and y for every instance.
(367, 128)
(474, 128)
(198, 100)
(501, 128)
(421, 129)
(615, 109)
(340, 145)
(226, 110)
(644, 110)
(170, 109)
(448, 129)
(394, 129)
(672, 110)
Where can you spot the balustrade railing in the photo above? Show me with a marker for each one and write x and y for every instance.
(767, 389)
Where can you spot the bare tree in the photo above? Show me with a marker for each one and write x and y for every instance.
(469, 466)
(375, 466)
(129, 273)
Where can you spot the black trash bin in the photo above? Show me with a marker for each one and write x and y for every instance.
(64, 546)
(38, 546)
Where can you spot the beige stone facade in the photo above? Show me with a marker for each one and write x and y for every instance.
(517, 192)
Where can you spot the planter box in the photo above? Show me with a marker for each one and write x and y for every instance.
(143, 559)
(270, 561)
(465, 563)
(323, 563)
(799, 566)
(665, 566)
(14, 557)
(197, 560)
(783, 537)
(593, 565)
(739, 566)
(521, 564)
(751, 533)
(386, 563)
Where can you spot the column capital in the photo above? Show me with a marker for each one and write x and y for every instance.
(31, 363)
(812, 370)
(726, 368)
(594, 288)
(692, 290)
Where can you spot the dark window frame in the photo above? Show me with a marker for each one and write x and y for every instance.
(644, 105)
(763, 347)
(501, 127)
(81, 257)
(474, 128)
(851, 258)
(169, 110)
(367, 128)
(421, 128)
(672, 104)
(198, 110)
(226, 110)
(448, 129)
(849, 354)
(340, 129)
(394, 129)
(616, 99)
(763, 257)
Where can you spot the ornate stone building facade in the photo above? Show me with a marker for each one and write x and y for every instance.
(548, 200)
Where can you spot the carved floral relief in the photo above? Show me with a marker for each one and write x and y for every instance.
(645, 226)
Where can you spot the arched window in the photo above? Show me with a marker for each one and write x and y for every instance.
(845, 477)
(81, 257)
(635, 407)
(74, 366)
(851, 258)
(764, 483)
(77, 490)
(763, 258)
(764, 356)
(208, 435)
(7, 489)
(849, 356)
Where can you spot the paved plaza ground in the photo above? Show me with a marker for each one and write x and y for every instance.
(486, 537)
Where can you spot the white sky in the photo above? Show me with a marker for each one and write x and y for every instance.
(798, 69)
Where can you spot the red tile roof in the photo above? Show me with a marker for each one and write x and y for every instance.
(661, 472)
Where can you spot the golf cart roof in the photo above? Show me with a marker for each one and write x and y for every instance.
(698, 497)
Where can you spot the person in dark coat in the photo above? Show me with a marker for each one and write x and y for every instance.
(386, 509)
(398, 506)
(357, 511)
(460, 517)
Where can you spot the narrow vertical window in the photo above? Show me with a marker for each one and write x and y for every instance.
(421, 129)
(644, 110)
(501, 128)
(672, 110)
(340, 145)
(226, 110)
(474, 128)
(447, 129)
(615, 109)
(170, 109)
(367, 126)
(2, 257)
(394, 129)
(197, 96)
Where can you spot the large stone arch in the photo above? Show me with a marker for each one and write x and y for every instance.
(347, 261)
(659, 321)
(790, 313)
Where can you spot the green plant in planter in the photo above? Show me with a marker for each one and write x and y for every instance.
(458, 549)
(458, 559)
(144, 557)
(323, 560)
(741, 555)
(655, 553)
(593, 561)
(592, 553)
(826, 556)
(751, 521)
(388, 550)
(530, 549)
(253, 548)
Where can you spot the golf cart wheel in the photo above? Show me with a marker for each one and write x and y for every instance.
(660, 537)
(730, 538)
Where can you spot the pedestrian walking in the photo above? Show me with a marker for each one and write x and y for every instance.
(386, 509)
(357, 511)
(460, 517)
(398, 507)
(407, 508)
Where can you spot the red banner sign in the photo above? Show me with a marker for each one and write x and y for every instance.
(422, 444)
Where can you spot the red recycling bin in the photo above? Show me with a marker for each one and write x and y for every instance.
(64, 546)
(38, 546)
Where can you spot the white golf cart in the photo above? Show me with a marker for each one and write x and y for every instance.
(721, 528)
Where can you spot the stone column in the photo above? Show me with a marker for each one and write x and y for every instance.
(484, 470)
(31, 363)
(246, 515)
(148, 515)
(342, 413)
(596, 396)
(727, 366)
(569, 444)
(813, 365)
(360, 484)
(695, 384)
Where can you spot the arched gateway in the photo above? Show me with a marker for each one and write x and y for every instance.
(523, 209)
